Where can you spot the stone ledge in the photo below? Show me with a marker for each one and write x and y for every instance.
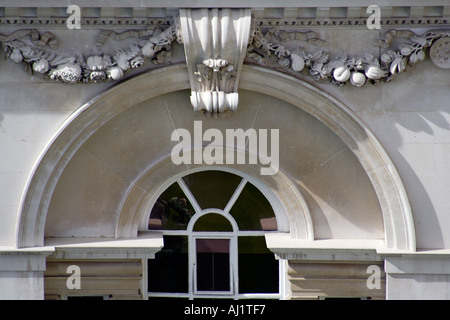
(286, 247)
(28, 259)
(143, 247)
(419, 263)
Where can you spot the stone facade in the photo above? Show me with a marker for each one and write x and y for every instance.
(87, 115)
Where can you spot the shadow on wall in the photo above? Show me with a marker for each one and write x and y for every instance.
(428, 228)
(410, 117)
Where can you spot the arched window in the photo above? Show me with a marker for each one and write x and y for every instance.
(213, 224)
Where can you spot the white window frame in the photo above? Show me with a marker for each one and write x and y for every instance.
(233, 235)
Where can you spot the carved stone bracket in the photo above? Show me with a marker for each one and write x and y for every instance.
(215, 42)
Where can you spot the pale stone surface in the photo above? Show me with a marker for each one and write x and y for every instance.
(144, 247)
(127, 146)
(135, 138)
(342, 201)
(19, 285)
(409, 116)
(21, 273)
(424, 276)
(96, 191)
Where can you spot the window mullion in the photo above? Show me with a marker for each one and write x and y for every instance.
(235, 195)
(189, 195)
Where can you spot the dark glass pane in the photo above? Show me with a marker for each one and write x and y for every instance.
(258, 268)
(212, 222)
(172, 210)
(213, 264)
(252, 211)
(168, 272)
(212, 189)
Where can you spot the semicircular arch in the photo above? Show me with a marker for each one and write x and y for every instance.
(85, 121)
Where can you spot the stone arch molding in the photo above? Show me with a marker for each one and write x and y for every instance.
(291, 210)
(396, 212)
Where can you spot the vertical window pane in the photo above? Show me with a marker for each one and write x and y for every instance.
(212, 189)
(213, 264)
(258, 268)
(168, 272)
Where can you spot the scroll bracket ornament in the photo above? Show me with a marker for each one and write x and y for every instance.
(215, 43)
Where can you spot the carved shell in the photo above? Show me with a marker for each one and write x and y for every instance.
(298, 64)
(341, 74)
(358, 79)
(41, 66)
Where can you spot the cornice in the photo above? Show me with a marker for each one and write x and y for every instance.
(228, 3)
(319, 16)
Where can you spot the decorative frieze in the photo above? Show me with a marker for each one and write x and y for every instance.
(40, 54)
(269, 49)
(215, 54)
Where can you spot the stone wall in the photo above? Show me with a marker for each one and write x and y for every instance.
(409, 116)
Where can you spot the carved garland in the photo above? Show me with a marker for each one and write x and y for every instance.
(267, 49)
(40, 55)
